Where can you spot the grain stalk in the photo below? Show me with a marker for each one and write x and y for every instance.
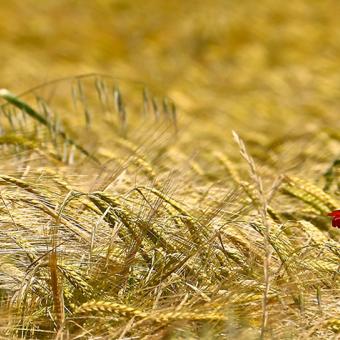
(262, 210)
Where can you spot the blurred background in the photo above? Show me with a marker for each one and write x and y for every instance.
(247, 59)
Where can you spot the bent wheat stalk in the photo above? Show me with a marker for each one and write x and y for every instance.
(14, 100)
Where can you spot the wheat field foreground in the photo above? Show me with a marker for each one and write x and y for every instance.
(178, 186)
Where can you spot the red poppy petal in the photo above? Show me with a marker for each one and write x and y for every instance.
(336, 222)
(335, 213)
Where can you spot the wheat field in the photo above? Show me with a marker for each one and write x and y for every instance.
(167, 169)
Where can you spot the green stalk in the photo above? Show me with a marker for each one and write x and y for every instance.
(14, 100)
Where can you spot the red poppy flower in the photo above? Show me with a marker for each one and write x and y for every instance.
(336, 218)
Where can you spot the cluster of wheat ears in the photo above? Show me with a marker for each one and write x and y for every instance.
(116, 222)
